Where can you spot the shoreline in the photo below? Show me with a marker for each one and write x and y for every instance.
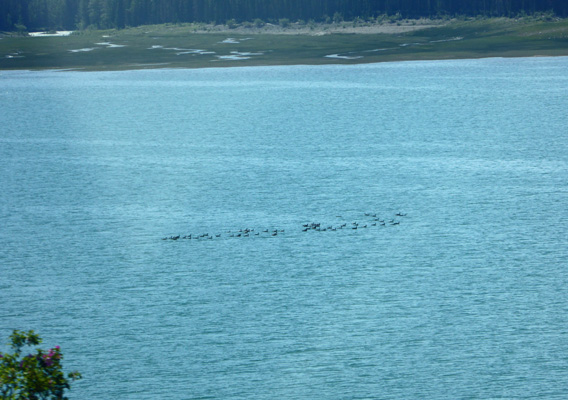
(160, 66)
(167, 66)
(211, 46)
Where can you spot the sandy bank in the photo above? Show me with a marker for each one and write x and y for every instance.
(319, 29)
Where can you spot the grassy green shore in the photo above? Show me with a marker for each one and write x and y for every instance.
(201, 46)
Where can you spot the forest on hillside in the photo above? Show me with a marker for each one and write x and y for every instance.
(103, 14)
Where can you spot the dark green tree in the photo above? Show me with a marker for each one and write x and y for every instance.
(54, 14)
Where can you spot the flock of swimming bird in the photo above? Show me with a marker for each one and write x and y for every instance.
(371, 220)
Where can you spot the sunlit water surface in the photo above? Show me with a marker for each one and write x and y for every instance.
(467, 297)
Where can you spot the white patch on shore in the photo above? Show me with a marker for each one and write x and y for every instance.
(343, 57)
(232, 58)
(196, 51)
(110, 45)
(238, 55)
(177, 49)
(246, 54)
(46, 34)
(82, 50)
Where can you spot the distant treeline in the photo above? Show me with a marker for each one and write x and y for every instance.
(81, 14)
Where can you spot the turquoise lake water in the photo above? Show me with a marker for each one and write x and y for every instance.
(463, 296)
